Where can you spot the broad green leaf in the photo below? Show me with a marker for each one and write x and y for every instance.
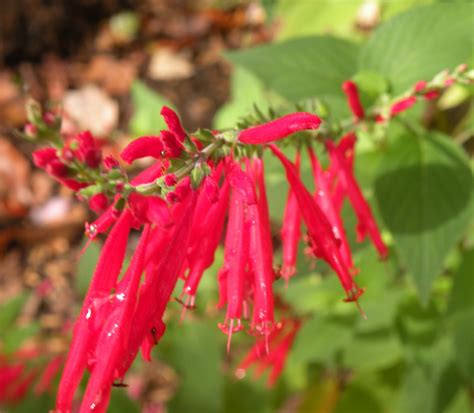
(194, 350)
(246, 91)
(423, 192)
(320, 340)
(462, 295)
(371, 85)
(420, 43)
(358, 399)
(303, 18)
(147, 104)
(418, 325)
(32, 403)
(460, 404)
(435, 379)
(313, 294)
(461, 311)
(373, 351)
(120, 402)
(320, 396)
(256, 398)
(301, 68)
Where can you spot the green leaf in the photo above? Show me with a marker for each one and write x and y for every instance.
(120, 402)
(246, 91)
(10, 310)
(431, 382)
(301, 68)
(303, 18)
(14, 337)
(194, 351)
(146, 119)
(256, 398)
(461, 312)
(423, 191)
(462, 294)
(373, 351)
(420, 43)
(320, 339)
(358, 399)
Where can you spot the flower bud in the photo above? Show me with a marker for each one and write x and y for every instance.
(279, 128)
(173, 123)
(170, 180)
(110, 162)
(402, 105)
(31, 130)
(98, 203)
(353, 99)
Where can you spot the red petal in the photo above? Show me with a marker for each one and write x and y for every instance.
(143, 147)
(279, 128)
(173, 123)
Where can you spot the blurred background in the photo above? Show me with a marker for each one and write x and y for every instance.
(109, 65)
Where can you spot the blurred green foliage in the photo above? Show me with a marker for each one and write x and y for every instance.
(415, 352)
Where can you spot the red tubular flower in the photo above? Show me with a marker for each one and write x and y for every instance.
(367, 223)
(143, 147)
(206, 233)
(324, 244)
(211, 188)
(102, 224)
(353, 99)
(47, 159)
(88, 151)
(419, 86)
(261, 254)
(155, 293)
(222, 287)
(49, 373)
(291, 231)
(242, 182)
(43, 156)
(346, 148)
(262, 268)
(431, 94)
(173, 123)
(104, 279)
(235, 261)
(280, 342)
(10, 376)
(149, 209)
(325, 201)
(98, 203)
(279, 128)
(402, 105)
(112, 341)
(149, 174)
(259, 178)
